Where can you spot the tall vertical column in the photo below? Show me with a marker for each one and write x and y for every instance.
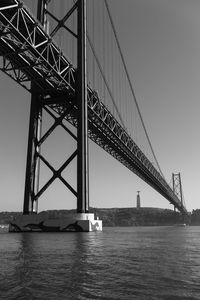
(32, 161)
(37, 150)
(29, 168)
(181, 191)
(82, 118)
(41, 16)
(173, 183)
(35, 123)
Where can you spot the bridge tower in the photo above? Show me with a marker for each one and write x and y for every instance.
(177, 186)
(40, 102)
(32, 192)
(178, 191)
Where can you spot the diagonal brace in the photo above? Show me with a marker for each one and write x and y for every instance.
(56, 174)
(58, 121)
(62, 21)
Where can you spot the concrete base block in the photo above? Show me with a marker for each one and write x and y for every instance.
(37, 223)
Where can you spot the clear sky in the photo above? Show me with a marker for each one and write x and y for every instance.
(160, 40)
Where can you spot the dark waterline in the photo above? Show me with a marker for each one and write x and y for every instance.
(118, 263)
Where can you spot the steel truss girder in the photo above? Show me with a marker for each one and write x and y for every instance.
(30, 55)
(28, 48)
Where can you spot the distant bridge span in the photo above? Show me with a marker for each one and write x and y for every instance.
(30, 57)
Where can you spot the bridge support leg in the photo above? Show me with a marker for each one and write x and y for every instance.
(32, 163)
(82, 118)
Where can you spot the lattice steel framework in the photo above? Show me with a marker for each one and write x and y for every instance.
(31, 57)
(177, 186)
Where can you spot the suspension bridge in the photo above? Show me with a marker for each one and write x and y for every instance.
(68, 56)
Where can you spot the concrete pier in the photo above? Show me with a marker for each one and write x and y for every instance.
(83, 222)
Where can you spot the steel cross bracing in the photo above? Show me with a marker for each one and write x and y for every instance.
(32, 59)
(177, 187)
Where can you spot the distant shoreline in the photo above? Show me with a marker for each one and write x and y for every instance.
(111, 217)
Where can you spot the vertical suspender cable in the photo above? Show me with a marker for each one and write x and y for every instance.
(131, 87)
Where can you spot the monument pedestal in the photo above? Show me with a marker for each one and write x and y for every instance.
(83, 222)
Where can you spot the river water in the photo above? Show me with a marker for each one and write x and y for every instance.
(118, 263)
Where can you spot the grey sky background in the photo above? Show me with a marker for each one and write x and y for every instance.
(160, 40)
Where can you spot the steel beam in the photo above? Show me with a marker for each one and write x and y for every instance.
(32, 161)
(35, 130)
(82, 113)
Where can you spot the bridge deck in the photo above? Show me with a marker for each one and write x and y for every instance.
(29, 55)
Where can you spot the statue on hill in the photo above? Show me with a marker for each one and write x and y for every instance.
(138, 204)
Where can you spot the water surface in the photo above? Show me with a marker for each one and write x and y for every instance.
(118, 263)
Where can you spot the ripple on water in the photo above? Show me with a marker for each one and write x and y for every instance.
(118, 263)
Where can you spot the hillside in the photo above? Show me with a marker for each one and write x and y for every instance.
(137, 217)
(115, 216)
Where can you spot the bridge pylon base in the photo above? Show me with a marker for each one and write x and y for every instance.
(81, 222)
